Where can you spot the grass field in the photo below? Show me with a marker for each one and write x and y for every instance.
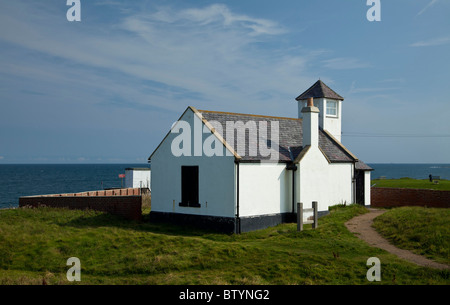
(36, 243)
(442, 185)
(425, 231)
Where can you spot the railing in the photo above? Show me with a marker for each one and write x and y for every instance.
(300, 213)
(108, 192)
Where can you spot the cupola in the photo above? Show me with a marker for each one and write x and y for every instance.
(329, 104)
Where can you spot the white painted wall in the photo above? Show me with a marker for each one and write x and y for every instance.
(137, 178)
(318, 180)
(367, 184)
(264, 188)
(216, 178)
(330, 123)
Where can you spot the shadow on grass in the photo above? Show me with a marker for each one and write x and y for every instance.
(95, 219)
(100, 219)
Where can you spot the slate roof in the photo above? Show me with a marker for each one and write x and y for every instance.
(319, 90)
(290, 137)
(359, 165)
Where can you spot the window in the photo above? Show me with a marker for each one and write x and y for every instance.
(332, 108)
(189, 187)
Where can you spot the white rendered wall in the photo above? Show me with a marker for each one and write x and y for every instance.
(137, 178)
(328, 184)
(367, 184)
(330, 123)
(216, 179)
(264, 189)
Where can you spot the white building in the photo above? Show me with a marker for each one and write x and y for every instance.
(208, 171)
(137, 177)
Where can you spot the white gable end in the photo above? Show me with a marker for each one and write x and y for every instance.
(215, 175)
(327, 183)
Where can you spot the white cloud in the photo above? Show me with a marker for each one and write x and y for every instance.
(210, 54)
(393, 80)
(388, 87)
(219, 14)
(372, 90)
(430, 4)
(345, 63)
(432, 42)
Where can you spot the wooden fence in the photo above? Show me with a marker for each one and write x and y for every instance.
(300, 213)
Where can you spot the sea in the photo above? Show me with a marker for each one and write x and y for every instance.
(17, 180)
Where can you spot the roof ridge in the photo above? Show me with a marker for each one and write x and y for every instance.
(247, 114)
(319, 90)
(323, 84)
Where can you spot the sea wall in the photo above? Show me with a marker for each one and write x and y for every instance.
(123, 202)
(382, 197)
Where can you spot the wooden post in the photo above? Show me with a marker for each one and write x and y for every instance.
(299, 216)
(315, 208)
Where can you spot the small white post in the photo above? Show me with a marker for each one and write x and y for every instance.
(299, 216)
(315, 208)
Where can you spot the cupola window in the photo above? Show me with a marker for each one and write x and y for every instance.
(332, 108)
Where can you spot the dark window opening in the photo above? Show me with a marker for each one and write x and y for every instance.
(189, 187)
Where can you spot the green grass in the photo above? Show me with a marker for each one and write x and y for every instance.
(441, 185)
(425, 231)
(36, 243)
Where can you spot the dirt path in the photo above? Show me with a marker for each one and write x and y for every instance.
(362, 226)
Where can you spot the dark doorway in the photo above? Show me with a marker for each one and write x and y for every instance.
(189, 186)
(359, 176)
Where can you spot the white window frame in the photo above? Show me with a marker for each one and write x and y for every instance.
(336, 107)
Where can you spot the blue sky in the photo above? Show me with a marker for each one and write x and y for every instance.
(108, 88)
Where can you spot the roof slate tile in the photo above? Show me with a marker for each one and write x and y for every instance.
(319, 90)
(290, 137)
